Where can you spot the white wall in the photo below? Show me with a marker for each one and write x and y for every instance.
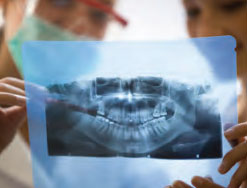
(149, 20)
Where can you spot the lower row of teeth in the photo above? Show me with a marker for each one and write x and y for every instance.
(155, 127)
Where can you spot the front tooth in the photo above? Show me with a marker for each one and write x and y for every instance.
(134, 134)
(156, 112)
(114, 130)
(127, 133)
(101, 108)
(163, 109)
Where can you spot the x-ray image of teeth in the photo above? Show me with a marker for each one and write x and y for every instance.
(133, 117)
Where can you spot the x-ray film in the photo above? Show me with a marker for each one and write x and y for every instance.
(134, 117)
(100, 106)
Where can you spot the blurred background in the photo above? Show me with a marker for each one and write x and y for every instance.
(148, 20)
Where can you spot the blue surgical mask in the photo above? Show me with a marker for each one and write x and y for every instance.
(34, 28)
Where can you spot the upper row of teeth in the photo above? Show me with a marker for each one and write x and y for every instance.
(159, 110)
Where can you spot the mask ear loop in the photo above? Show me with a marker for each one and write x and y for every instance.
(106, 9)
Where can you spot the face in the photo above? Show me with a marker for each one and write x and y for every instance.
(71, 15)
(220, 17)
(75, 16)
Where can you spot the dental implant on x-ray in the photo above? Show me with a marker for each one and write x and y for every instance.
(133, 117)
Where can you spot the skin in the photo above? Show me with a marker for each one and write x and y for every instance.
(223, 17)
(215, 18)
(237, 154)
(89, 21)
(13, 114)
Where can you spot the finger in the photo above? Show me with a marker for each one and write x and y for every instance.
(14, 82)
(180, 184)
(236, 132)
(16, 115)
(233, 142)
(11, 89)
(232, 157)
(11, 99)
(244, 184)
(200, 182)
(209, 178)
(239, 176)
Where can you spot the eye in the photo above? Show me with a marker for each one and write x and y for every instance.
(233, 6)
(193, 12)
(97, 16)
(62, 3)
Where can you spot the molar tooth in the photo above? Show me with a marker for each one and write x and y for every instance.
(114, 129)
(102, 127)
(99, 126)
(114, 115)
(156, 130)
(101, 109)
(150, 115)
(141, 116)
(163, 109)
(143, 132)
(110, 115)
(163, 124)
(146, 115)
(150, 130)
(156, 112)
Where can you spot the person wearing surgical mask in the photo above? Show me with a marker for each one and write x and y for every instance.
(24, 20)
(215, 18)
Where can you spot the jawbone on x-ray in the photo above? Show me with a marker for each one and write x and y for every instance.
(133, 117)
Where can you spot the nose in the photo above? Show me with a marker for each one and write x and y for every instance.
(209, 26)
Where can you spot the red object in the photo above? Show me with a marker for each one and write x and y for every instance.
(106, 9)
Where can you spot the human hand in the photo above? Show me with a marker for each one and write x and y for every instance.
(237, 154)
(12, 115)
(198, 182)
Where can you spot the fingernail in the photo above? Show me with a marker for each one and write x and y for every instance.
(197, 181)
(222, 168)
(228, 132)
(177, 184)
(209, 177)
(21, 100)
(228, 126)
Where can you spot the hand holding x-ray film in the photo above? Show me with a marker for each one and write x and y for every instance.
(113, 114)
